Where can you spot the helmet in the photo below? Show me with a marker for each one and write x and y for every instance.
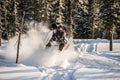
(53, 26)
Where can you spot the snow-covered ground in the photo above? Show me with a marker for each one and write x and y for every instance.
(89, 65)
(83, 60)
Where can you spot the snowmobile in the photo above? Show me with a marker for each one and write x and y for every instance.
(55, 41)
(60, 35)
(61, 43)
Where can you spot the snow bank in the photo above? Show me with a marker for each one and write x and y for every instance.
(95, 45)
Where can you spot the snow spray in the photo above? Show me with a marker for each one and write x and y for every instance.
(33, 50)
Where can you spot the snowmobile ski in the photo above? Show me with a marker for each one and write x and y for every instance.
(48, 37)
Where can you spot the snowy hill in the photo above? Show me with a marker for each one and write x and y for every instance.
(94, 62)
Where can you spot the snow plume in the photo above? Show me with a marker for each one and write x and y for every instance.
(34, 52)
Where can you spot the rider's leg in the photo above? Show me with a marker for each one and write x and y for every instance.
(61, 46)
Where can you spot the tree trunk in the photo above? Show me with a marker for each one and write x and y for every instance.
(70, 17)
(0, 33)
(111, 42)
(46, 11)
(15, 24)
(18, 47)
(5, 17)
(60, 11)
(19, 38)
(91, 17)
(112, 32)
(15, 17)
(0, 38)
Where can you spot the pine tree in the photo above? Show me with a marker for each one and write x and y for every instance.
(108, 19)
(5, 5)
(0, 21)
(117, 16)
(83, 30)
(91, 16)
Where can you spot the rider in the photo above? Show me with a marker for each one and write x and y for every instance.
(59, 35)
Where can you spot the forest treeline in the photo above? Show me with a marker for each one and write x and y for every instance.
(88, 19)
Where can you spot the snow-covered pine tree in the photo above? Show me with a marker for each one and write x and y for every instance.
(5, 21)
(0, 30)
(108, 19)
(91, 22)
(117, 16)
(81, 18)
